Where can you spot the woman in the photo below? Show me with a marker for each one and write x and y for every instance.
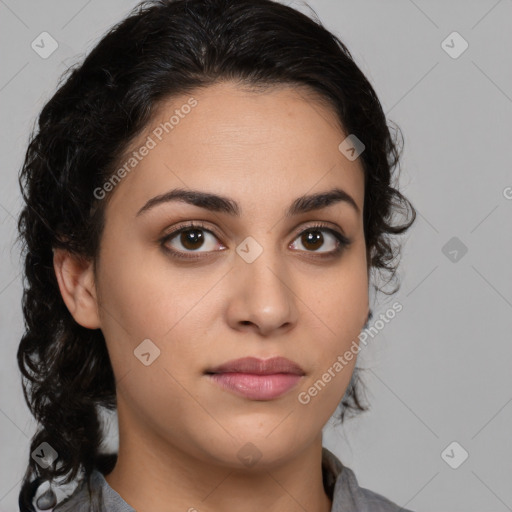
(206, 196)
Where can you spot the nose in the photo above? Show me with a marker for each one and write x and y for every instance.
(262, 297)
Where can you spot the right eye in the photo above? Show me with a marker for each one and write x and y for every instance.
(189, 238)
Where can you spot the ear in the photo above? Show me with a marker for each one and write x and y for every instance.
(76, 283)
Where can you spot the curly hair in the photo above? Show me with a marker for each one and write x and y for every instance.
(163, 48)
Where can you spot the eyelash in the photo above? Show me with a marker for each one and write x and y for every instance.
(343, 241)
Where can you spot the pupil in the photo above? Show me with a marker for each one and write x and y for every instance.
(190, 238)
(313, 237)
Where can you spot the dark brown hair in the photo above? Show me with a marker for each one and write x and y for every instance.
(162, 49)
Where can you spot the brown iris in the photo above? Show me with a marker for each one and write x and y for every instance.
(312, 237)
(191, 237)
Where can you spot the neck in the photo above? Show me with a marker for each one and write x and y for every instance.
(152, 475)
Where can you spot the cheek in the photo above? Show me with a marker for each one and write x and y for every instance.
(341, 315)
(341, 302)
(152, 301)
(338, 313)
(141, 303)
(145, 296)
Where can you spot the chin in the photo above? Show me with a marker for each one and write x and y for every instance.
(252, 448)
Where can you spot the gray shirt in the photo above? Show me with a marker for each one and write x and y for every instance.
(340, 484)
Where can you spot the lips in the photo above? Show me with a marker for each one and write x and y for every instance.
(256, 366)
(257, 379)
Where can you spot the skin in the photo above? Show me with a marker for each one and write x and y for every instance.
(179, 433)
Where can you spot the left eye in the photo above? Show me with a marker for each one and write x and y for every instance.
(313, 238)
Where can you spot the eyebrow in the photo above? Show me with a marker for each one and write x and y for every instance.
(222, 204)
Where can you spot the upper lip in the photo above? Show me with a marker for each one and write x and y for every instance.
(258, 366)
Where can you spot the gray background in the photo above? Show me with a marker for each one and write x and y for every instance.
(440, 371)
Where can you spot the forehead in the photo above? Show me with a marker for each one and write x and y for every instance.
(238, 142)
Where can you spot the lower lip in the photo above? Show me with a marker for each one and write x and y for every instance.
(257, 387)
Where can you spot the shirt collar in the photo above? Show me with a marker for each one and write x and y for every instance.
(105, 498)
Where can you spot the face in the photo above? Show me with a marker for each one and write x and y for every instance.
(265, 282)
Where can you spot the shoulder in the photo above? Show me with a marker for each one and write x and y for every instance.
(98, 497)
(81, 499)
(360, 498)
(90, 494)
(349, 495)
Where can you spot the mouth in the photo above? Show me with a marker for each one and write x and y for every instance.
(256, 366)
(257, 379)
